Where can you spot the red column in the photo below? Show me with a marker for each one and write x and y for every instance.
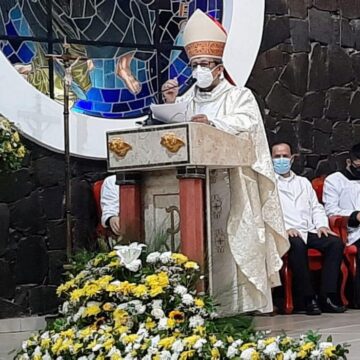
(192, 216)
(130, 208)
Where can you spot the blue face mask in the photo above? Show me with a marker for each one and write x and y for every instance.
(282, 165)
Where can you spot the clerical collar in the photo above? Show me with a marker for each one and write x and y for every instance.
(349, 175)
(207, 96)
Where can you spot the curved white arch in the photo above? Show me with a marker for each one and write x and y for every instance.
(40, 118)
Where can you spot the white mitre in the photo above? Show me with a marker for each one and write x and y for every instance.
(204, 36)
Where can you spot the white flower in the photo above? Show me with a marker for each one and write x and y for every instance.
(155, 340)
(232, 352)
(165, 355)
(247, 354)
(181, 290)
(156, 304)
(157, 313)
(290, 355)
(129, 255)
(199, 344)
(46, 356)
(45, 335)
(165, 257)
(96, 347)
(324, 345)
(261, 344)
(153, 257)
(163, 323)
(315, 354)
(177, 346)
(187, 299)
(79, 313)
(272, 349)
(218, 344)
(65, 307)
(195, 321)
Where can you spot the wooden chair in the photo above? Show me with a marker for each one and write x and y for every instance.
(315, 263)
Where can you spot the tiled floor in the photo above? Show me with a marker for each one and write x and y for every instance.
(343, 327)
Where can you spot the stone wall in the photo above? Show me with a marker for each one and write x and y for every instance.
(32, 230)
(306, 80)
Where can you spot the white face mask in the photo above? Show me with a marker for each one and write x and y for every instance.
(204, 77)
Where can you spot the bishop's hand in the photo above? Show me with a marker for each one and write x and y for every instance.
(170, 90)
(201, 118)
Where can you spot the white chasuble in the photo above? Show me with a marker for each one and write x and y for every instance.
(249, 236)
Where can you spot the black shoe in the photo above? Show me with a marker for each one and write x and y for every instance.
(328, 306)
(312, 308)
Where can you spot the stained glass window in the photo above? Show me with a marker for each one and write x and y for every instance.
(132, 47)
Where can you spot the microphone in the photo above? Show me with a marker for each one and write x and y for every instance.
(189, 82)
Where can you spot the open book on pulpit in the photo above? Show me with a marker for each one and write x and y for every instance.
(170, 113)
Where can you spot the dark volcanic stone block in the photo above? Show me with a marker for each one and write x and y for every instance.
(322, 143)
(276, 31)
(321, 26)
(324, 168)
(340, 69)
(15, 185)
(355, 106)
(350, 8)
(313, 105)
(329, 5)
(27, 214)
(318, 74)
(56, 234)
(312, 160)
(355, 60)
(299, 31)
(264, 82)
(52, 200)
(281, 101)
(272, 58)
(299, 8)
(338, 103)
(278, 7)
(295, 75)
(83, 202)
(4, 227)
(32, 261)
(49, 171)
(8, 309)
(7, 280)
(342, 136)
(324, 125)
(348, 33)
(43, 300)
(306, 135)
(57, 259)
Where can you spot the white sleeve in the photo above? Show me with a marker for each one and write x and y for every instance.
(331, 198)
(318, 212)
(109, 199)
(244, 115)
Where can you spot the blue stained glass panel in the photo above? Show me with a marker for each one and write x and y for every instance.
(115, 82)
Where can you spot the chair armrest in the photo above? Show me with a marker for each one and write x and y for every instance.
(338, 224)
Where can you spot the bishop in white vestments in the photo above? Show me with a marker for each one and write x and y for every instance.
(248, 264)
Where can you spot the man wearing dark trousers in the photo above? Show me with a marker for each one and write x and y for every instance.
(307, 227)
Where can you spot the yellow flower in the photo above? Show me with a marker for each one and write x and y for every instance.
(199, 303)
(215, 354)
(163, 279)
(126, 288)
(200, 330)
(302, 354)
(179, 258)
(76, 295)
(191, 265)
(65, 287)
(307, 346)
(108, 344)
(171, 323)
(150, 324)
(167, 342)
(230, 339)
(286, 341)
(108, 306)
(329, 351)
(187, 355)
(247, 346)
(100, 357)
(140, 290)
(85, 332)
(16, 136)
(55, 348)
(280, 357)
(91, 310)
(269, 340)
(77, 347)
(7, 147)
(45, 343)
(21, 151)
(70, 333)
(154, 291)
(114, 263)
(190, 341)
(255, 356)
(213, 339)
(177, 315)
(130, 339)
(91, 289)
(120, 317)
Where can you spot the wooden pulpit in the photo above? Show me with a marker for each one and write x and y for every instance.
(164, 170)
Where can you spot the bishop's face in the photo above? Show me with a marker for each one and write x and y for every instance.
(206, 71)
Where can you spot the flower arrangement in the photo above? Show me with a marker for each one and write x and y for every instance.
(127, 304)
(12, 152)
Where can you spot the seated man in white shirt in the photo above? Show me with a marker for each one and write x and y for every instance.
(342, 197)
(307, 226)
(109, 201)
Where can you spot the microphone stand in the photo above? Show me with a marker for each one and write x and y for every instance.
(68, 61)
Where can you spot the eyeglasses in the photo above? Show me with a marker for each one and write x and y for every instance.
(206, 64)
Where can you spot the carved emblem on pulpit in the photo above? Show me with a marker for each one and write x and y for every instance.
(119, 147)
(172, 142)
